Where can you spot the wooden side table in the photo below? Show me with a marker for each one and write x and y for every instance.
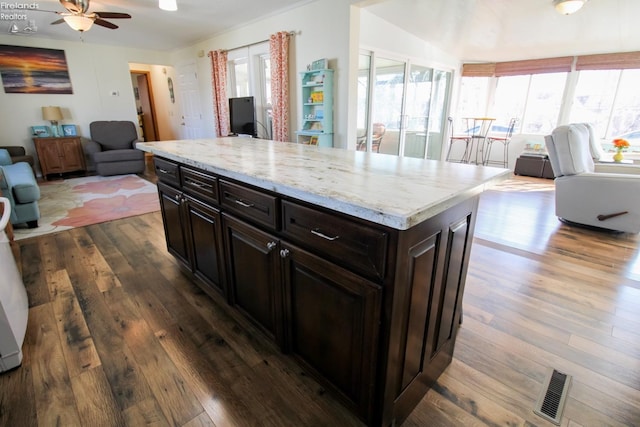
(60, 155)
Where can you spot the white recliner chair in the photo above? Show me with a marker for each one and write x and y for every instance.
(583, 196)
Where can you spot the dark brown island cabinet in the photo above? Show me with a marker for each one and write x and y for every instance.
(369, 310)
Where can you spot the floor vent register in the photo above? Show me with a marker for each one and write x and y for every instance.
(553, 396)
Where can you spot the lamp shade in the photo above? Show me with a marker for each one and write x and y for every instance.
(169, 5)
(53, 114)
(79, 22)
(567, 7)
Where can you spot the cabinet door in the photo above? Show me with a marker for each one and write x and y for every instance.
(254, 275)
(205, 240)
(50, 157)
(71, 153)
(332, 323)
(429, 302)
(172, 216)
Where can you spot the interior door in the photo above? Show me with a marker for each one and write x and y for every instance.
(191, 124)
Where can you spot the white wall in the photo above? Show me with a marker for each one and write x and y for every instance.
(378, 34)
(95, 72)
(322, 32)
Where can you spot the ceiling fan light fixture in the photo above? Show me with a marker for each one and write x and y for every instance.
(79, 22)
(169, 5)
(567, 7)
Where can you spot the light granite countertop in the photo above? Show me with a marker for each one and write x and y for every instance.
(398, 192)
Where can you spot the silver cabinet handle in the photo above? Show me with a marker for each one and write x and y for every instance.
(164, 171)
(317, 232)
(284, 253)
(271, 245)
(177, 197)
(196, 184)
(244, 204)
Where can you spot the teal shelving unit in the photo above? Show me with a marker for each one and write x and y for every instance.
(317, 108)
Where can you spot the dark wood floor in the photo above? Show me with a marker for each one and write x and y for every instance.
(117, 335)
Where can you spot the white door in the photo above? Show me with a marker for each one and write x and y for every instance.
(191, 124)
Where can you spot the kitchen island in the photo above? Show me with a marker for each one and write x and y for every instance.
(353, 263)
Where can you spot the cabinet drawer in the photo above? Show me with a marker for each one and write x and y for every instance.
(167, 171)
(200, 184)
(347, 242)
(250, 204)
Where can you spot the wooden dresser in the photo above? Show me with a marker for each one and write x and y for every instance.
(59, 155)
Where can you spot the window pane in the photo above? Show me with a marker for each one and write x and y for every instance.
(593, 100)
(510, 99)
(625, 118)
(543, 103)
(473, 96)
(241, 77)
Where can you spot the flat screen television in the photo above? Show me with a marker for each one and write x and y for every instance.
(242, 116)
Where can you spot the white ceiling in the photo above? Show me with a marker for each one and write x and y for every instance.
(482, 30)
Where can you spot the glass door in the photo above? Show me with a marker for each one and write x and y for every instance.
(388, 96)
(401, 107)
(362, 118)
(418, 103)
(438, 116)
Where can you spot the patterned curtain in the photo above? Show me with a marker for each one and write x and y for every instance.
(279, 50)
(219, 84)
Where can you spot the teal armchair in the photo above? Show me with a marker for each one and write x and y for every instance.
(19, 185)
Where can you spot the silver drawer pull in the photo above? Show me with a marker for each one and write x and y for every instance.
(324, 236)
(164, 171)
(244, 204)
(196, 184)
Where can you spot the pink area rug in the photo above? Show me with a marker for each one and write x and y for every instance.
(78, 202)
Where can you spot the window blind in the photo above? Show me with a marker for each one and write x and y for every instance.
(609, 61)
(534, 66)
(479, 70)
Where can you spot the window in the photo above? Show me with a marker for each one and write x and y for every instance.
(249, 74)
(610, 101)
(238, 77)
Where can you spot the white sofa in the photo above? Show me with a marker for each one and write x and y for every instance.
(584, 196)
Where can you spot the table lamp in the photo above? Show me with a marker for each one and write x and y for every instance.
(53, 114)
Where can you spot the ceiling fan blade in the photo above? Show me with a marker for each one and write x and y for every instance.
(76, 6)
(59, 21)
(113, 15)
(105, 24)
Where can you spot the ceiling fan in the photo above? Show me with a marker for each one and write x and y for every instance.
(78, 18)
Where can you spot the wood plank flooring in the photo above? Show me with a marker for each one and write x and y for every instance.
(117, 335)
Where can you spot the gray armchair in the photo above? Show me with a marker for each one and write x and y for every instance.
(112, 148)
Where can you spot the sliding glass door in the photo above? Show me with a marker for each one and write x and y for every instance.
(418, 103)
(388, 97)
(407, 104)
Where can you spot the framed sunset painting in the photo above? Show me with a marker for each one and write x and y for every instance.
(34, 70)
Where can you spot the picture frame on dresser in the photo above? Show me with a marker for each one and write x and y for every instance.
(69, 130)
(40, 131)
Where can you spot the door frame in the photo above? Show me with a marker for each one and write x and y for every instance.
(152, 104)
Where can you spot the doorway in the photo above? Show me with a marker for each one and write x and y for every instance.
(143, 92)
(407, 101)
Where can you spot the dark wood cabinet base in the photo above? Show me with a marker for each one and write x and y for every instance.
(370, 311)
